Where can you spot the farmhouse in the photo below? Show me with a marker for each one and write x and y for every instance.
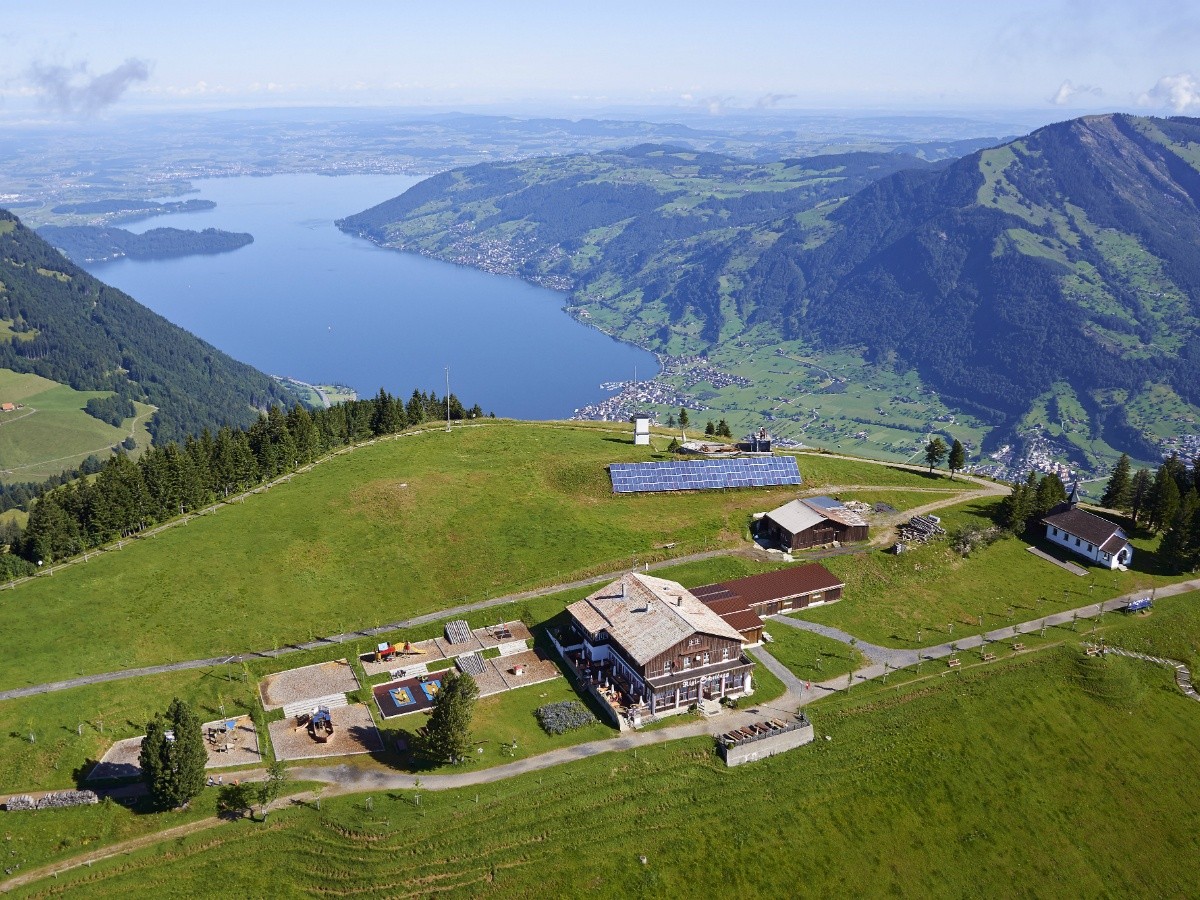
(743, 602)
(1087, 534)
(658, 646)
(810, 522)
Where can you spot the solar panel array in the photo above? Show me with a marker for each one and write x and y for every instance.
(703, 474)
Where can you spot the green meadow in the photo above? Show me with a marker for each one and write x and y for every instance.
(1002, 779)
(51, 432)
(393, 530)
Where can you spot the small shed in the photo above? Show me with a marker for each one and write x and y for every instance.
(811, 522)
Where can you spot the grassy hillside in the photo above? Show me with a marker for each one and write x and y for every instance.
(997, 780)
(404, 527)
(1054, 270)
(51, 432)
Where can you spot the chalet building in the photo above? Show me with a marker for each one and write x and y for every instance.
(664, 648)
(743, 602)
(1087, 534)
(811, 522)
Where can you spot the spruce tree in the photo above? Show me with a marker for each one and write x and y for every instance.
(683, 417)
(710, 430)
(958, 458)
(723, 429)
(1050, 493)
(935, 452)
(1120, 487)
(448, 734)
(173, 756)
(1164, 499)
(1139, 493)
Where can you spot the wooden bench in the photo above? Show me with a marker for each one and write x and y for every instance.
(989, 657)
(1093, 651)
(1018, 646)
(953, 663)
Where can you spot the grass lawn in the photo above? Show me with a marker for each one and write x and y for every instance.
(52, 432)
(404, 527)
(799, 651)
(1004, 778)
(888, 598)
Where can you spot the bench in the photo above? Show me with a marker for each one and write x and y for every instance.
(989, 657)
(1093, 651)
(1018, 646)
(953, 663)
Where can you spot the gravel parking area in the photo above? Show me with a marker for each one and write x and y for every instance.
(354, 732)
(307, 683)
(242, 743)
(121, 761)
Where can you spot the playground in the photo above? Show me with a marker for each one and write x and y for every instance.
(503, 673)
(307, 683)
(231, 742)
(353, 732)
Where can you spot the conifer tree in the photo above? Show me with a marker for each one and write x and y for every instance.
(1120, 487)
(710, 430)
(448, 734)
(173, 756)
(1139, 493)
(683, 417)
(935, 452)
(958, 458)
(1164, 499)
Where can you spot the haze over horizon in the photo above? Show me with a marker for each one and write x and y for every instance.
(1063, 58)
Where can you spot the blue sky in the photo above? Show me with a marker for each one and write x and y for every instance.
(710, 57)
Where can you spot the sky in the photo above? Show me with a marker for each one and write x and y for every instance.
(82, 59)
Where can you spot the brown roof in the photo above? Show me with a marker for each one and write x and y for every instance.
(647, 616)
(781, 584)
(1085, 525)
(743, 621)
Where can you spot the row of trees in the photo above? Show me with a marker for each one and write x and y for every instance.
(1031, 500)
(936, 450)
(1167, 501)
(171, 480)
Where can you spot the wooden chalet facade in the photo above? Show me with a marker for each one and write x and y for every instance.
(812, 522)
(743, 602)
(663, 647)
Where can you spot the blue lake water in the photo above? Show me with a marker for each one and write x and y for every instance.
(307, 301)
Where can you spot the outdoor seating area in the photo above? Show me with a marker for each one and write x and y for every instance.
(295, 686)
(354, 732)
(758, 731)
(231, 742)
(607, 683)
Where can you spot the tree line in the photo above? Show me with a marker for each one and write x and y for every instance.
(127, 497)
(1167, 501)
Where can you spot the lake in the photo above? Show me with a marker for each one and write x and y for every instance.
(307, 301)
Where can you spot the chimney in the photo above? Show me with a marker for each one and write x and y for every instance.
(679, 601)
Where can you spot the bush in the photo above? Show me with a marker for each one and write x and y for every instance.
(970, 538)
(564, 716)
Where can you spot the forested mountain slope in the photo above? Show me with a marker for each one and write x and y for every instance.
(59, 322)
(1065, 260)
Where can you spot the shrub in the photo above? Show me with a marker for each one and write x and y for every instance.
(564, 716)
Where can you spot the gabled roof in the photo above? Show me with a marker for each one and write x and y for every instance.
(647, 616)
(1086, 526)
(770, 586)
(795, 517)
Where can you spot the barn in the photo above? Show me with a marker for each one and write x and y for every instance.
(769, 593)
(811, 522)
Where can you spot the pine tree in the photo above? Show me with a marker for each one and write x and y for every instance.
(935, 452)
(683, 417)
(1120, 487)
(448, 734)
(1139, 493)
(710, 429)
(723, 429)
(1050, 493)
(173, 756)
(1164, 499)
(958, 458)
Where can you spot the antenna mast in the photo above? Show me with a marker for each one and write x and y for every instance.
(447, 399)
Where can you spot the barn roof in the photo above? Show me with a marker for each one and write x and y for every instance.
(647, 616)
(781, 584)
(795, 517)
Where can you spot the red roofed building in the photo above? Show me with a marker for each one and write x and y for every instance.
(743, 602)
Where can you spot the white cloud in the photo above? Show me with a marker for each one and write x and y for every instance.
(1179, 93)
(1068, 91)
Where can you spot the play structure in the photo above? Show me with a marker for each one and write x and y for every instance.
(319, 724)
(386, 652)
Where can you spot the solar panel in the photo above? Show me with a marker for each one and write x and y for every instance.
(703, 474)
